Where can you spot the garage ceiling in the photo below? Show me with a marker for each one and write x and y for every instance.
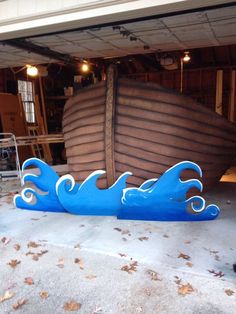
(201, 29)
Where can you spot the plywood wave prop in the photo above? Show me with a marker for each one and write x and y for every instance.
(162, 199)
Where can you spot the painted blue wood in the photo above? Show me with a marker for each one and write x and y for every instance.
(163, 198)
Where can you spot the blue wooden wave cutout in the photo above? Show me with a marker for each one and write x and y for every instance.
(163, 199)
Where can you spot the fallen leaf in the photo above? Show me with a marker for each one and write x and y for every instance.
(185, 289)
(19, 304)
(13, 263)
(126, 231)
(17, 247)
(80, 262)
(219, 274)
(7, 295)
(90, 277)
(5, 240)
(130, 268)
(35, 257)
(143, 238)
(178, 280)
(117, 229)
(187, 242)
(184, 256)
(122, 255)
(214, 252)
(71, 306)
(60, 263)
(217, 258)
(189, 264)
(29, 281)
(153, 274)
(33, 244)
(43, 294)
(147, 292)
(229, 292)
(77, 246)
(42, 252)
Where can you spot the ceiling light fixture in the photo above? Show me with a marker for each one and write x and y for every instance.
(31, 70)
(85, 67)
(186, 57)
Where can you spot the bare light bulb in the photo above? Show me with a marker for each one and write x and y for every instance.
(85, 67)
(31, 70)
(186, 57)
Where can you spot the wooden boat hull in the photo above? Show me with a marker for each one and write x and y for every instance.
(123, 125)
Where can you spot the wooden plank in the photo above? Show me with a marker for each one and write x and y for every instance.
(72, 139)
(172, 140)
(91, 120)
(219, 91)
(208, 118)
(174, 120)
(109, 124)
(43, 105)
(79, 106)
(232, 104)
(84, 113)
(75, 159)
(31, 140)
(171, 151)
(181, 132)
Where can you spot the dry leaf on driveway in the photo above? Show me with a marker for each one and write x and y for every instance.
(5, 240)
(7, 295)
(29, 281)
(19, 304)
(117, 229)
(122, 254)
(184, 256)
(80, 262)
(17, 247)
(35, 256)
(126, 231)
(185, 289)
(216, 274)
(90, 276)
(229, 292)
(189, 264)
(187, 242)
(43, 294)
(60, 263)
(178, 280)
(71, 306)
(143, 238)
(33, 244)
(130, 268)
(153, 274)
(13, 263)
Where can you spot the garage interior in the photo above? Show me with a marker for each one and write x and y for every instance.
(192, 52)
